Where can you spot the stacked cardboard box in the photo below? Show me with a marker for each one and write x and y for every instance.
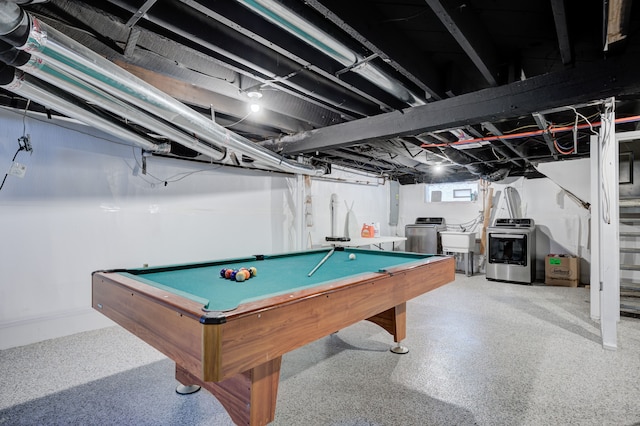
(561, 269)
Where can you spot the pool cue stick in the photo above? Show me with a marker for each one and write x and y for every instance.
(324, 259)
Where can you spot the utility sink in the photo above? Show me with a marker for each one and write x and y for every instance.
(457, 241)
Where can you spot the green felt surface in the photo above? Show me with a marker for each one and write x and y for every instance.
(277, 274)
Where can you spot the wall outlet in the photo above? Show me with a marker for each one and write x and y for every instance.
(18, 170)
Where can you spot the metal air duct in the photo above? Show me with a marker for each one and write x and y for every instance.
(318, 39)
(79, 88)
(70, 56)
(31, 88)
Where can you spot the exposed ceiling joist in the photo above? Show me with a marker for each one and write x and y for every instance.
(267, 44)
(560, 19)
(389, 87)
(458, 20)
(568, 87)
(542, 123)
(140, 13)
(493, 129)
(399, 57)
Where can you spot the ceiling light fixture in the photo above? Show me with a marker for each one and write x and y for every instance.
(254, 96)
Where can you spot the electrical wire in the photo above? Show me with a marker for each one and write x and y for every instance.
(24, 118)
(496, 155)
(562, 150)
(23, 141)
(585, 119)
(606, 146)
(518, 129)
(21, 148)
(239, 121)
(467, 226)
(554, 129)
(173, 178)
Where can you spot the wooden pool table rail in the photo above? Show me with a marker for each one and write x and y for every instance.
(238, 360)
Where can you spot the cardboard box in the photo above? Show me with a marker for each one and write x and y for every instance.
(561, 269)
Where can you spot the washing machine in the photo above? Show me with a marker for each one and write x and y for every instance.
(424, 235)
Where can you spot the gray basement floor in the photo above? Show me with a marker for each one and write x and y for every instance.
(481, 353)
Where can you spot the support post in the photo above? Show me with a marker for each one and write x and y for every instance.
(605, 217)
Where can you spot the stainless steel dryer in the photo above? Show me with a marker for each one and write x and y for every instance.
(511, 251)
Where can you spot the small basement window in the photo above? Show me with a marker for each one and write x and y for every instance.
(451, 192)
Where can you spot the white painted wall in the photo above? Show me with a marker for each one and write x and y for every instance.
(368, 198)
(80, 208)
(564, 223)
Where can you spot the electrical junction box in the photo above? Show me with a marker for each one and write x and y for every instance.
(18, 170)
(561, 269)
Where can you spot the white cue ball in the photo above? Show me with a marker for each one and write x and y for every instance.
(352, 256)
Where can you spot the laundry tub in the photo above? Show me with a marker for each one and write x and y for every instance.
(460, 242)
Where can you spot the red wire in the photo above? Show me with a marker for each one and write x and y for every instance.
(551, 129)
(555, 143)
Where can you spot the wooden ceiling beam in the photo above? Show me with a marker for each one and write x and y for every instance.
(610, 77)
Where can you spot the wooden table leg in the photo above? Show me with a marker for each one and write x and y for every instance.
(394, 321)
(248, 397)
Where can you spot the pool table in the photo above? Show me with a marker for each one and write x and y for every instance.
(229, 337)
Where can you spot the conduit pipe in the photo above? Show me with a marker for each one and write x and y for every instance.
(31, 88)
(33, 36)
(550, 130)
(320, 40)
(69, 83)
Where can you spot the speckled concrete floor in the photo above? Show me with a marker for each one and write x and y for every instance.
(481, 353)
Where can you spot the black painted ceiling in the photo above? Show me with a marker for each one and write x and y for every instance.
(388, 87)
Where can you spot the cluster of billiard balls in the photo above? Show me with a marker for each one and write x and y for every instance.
(239, 274)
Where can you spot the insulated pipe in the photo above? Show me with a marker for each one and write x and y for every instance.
(31, 88)
(70, 56)
(318, 39)
(12, 56)
(96, 96)
(14, 23)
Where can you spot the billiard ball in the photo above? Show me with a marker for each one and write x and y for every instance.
(352, 256)
(227, 273)
(222, 272)
(240, 276)
(253, 271)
